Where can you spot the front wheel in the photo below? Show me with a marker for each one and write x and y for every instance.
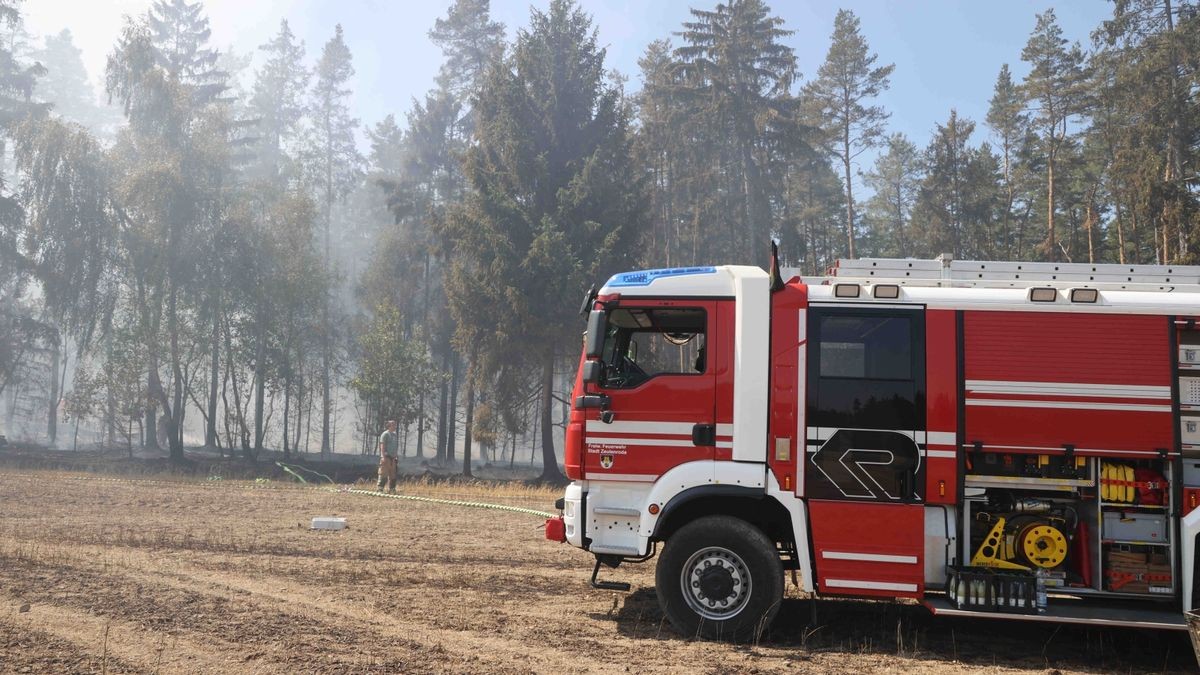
(719, 577)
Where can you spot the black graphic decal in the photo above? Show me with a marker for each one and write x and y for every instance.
(866, 464)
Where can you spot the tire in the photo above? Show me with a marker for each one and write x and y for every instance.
(719, 578)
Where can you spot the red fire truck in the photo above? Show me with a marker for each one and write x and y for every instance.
(1012, 440)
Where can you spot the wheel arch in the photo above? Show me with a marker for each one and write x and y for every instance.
(752, 505)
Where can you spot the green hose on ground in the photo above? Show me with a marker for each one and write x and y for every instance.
(259, 486)
(454, 502)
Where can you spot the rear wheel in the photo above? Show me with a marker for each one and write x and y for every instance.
(720, 578)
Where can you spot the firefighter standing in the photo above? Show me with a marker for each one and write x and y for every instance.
(388, 444)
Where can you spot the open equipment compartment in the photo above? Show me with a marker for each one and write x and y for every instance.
(1137, 545)
(1106, 532)
(1025, 513)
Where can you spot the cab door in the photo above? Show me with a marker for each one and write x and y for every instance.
(657, 384)
(864, 474)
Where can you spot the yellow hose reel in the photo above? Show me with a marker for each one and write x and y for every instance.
(1042, 544)
(1038, 544)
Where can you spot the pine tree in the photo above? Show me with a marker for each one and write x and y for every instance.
(470, 41)
(277, 100)
(335, 166)
(736, 74)
(65, 84)
(894, 182)
(555, 203)
(940, 213)
(1009, 123)
(1148, 52)
(17, 81)
(817, 206)
(179, 32)
(1054, 87)
(387, 147)
(438, 129)
(17, 77)
(846, 82)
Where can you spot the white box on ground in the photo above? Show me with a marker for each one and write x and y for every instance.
(328, 523)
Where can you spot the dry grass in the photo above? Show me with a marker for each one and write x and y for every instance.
(185, 576)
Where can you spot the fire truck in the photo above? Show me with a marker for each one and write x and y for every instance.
(996, 439)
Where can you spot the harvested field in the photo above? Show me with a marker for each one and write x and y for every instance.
(140, 576)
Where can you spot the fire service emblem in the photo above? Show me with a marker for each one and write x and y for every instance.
(606, 461)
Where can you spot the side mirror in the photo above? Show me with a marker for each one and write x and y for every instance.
(588, 299)
(597, 326)
(592, 370)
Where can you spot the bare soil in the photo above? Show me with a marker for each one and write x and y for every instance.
(120, 575)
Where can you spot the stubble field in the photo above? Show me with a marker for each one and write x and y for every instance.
(142, 576)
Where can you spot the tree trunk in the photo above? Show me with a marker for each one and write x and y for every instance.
(537, 411)
(308, 423)
(1051, 244)
(1173, 173)
(1009, 204)
(287, 399)
(469, 426)
(52, 412)
(210, 427)
(440, 454)
(325, 365)
(420, 450)
(849, 187)
(327, 332)
(550, 472)
(300, 418)
(150, 442)
(110, 405)
(1090, 221)
(174, 415)
(751, 182)
(260, 377)
(452, 433)
(1120, 232)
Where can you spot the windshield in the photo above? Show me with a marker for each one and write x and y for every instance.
(642, 343)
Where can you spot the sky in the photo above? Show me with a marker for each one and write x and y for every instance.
(947, 54)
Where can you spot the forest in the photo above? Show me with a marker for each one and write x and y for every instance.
(225, 257)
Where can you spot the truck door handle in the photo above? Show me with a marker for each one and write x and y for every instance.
(704, 434)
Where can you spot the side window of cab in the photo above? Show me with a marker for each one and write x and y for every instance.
(643, 343)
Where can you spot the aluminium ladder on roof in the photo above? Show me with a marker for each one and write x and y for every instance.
(983, 273)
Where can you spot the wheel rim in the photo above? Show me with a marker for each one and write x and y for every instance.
(716, 583)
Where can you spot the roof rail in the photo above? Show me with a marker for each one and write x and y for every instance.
(946, 272)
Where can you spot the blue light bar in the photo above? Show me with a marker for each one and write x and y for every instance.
(647, 277)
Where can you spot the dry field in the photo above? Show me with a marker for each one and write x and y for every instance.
(137, 576)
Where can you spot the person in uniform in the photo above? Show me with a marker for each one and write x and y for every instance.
(388, 444)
